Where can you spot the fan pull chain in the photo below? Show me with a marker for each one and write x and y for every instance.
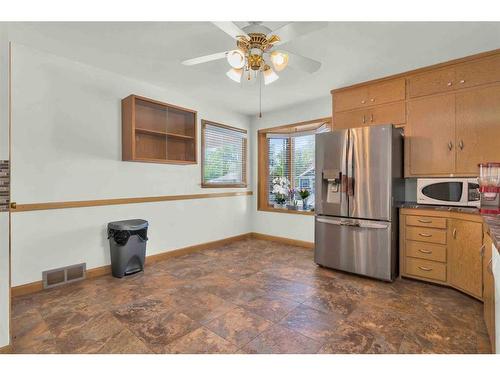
(260, 96)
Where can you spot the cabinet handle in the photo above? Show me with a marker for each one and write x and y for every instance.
(425, 235)
(364, 119)
(424, 221)
(363, 101)
(461, 145)
(425, 268)
(481, 250)
(371, 117)
(454, 233)
(425, 251)
(449, 84)
(462, 81)
(490, 266)
(372, 100)
(450, 145)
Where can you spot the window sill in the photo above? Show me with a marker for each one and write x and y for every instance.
(223, 185)
(286, 211)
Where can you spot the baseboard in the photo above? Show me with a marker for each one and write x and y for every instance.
(284, 240)
(6, 349)
(37, 286)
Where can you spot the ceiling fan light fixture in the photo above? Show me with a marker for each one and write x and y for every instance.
(235, 74)
(279, 60)
(236, 59)
(269, 75)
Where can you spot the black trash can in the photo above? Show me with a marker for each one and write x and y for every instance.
(127, 240)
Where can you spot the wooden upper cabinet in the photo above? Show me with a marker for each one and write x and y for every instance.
(351, 119)
(386, 92)
(478, 72)
(350, 99)
(431, 132)
(464, 256)
(477, 128)
(394, 113)
(432, 82)
(369, 95)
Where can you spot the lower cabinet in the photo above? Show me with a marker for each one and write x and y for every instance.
(489, 289)
(444, 248)
(465, 262)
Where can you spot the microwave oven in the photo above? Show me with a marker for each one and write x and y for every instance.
(448, 191)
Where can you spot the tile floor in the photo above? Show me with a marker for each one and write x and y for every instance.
(252, 296)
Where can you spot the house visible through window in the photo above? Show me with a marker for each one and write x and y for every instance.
(224, 159)
(289, 154)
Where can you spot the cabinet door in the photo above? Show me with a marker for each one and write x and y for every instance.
(431, 131)
(488, 290)
(350, 99)
(479, 72)
(394, 113)
(464, 256)
(387, 91)
(477, 128)
(351, 119)
(432, 82)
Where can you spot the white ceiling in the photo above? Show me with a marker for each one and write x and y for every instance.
(350, 52)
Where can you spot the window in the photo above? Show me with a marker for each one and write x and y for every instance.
(223, 155)
(288, 152)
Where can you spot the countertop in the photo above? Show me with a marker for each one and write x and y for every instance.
(491, 221)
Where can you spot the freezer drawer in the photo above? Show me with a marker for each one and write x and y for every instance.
(365, 247)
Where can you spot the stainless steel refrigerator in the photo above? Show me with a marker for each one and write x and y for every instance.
(359, 180)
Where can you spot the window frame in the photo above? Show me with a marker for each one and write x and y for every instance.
(263, 160)
(204, 184)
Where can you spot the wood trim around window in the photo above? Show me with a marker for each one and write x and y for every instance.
(245, 155)
(263, 163)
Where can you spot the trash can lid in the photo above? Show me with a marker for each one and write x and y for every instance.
(132, 224)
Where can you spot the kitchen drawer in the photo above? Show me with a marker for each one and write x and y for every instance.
(350, 99)
(426, 268)
(425, 221)
(431, 82)
(387, 91)
(394, 113)
(479, 72)
(424, 250)
(426, 235)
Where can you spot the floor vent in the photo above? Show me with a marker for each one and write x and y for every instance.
(63, 275)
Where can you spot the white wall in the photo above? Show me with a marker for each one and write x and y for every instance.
(66, 145)
(299, 227)
(4, 216)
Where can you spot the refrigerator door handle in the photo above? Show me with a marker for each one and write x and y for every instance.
(350, 166)
(353, 223)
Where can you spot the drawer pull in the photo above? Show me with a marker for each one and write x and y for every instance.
(425, 235)
(425, 221)
(425, 268)
(425, 251)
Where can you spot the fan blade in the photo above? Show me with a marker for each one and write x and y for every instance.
(231, 29)
(293, 30)
(303, 63)
(204, 59)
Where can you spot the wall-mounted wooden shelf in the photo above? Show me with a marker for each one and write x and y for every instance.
(156, 132)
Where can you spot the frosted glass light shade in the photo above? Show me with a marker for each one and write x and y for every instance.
(269, 76)
(279, 60)
(235, 74)
(236, 59)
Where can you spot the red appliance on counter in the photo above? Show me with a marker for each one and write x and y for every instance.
(489, 187)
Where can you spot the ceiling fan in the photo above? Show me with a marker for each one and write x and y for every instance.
(256, 50)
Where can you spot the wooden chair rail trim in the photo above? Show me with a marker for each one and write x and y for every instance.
(109, 202)
(420, 70)
(37, 286)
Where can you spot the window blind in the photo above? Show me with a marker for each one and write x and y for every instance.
(224, 155)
